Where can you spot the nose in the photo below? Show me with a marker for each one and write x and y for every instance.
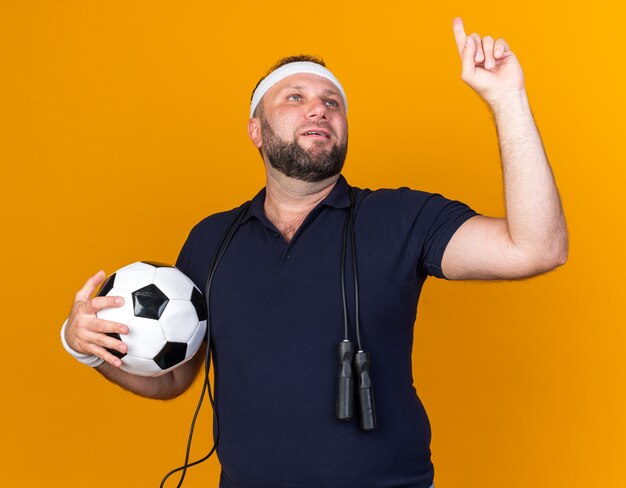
(316, 109)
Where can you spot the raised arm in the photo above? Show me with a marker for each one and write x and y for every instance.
(532, 238)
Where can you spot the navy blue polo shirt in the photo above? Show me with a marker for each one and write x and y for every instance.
(277, 317)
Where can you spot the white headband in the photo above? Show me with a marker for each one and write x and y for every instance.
(291, 69)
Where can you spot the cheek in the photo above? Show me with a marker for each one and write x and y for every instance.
(342, 131)
(285, 124)
(340, 121)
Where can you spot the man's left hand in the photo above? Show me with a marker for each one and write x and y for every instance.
(489, 67)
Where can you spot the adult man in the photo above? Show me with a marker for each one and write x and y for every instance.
(277, 307)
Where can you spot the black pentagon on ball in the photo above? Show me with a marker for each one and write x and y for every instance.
(106, 286)
(156, 264)
(197, 300)
(149, 302)
(115, 352)
(171, 354)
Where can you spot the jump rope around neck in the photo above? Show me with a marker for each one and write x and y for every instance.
(350, 363)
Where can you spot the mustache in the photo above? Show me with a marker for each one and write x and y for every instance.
(320, 125)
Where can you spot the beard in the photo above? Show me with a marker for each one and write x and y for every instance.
(294, 161)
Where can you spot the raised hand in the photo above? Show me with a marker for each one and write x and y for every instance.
(489, 67)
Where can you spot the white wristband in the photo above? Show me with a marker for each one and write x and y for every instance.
(88, 359)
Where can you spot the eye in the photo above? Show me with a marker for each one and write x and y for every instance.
(332, 103)
(294, 97)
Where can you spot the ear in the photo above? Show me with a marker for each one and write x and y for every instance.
(254, 131)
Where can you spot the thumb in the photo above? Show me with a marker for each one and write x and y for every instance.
(467, 59)
(89, 287)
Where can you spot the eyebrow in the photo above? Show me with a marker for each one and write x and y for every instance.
(327, 91)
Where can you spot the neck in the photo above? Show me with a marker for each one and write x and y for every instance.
(288, 201)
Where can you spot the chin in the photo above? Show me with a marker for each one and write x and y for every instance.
(316, 146)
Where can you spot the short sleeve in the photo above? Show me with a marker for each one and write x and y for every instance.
(432, 220)
(183, 262)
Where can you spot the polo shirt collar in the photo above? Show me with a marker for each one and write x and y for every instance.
(339, 197)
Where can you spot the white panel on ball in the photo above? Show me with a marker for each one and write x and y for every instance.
(149, 348)
(134, 276)
(121, 314)
(145, 338)
(173, 283)
(179, 320)
(141, 367)
(196, 340)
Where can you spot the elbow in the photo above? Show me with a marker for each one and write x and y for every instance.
(552, 251)
(178, 381)
(168, 395)
(174, 391)
(551, 264)
(168, 387)
(561, 258)
(561, 246)
(551, 258)
(561, 251)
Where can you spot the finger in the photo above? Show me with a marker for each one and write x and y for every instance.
(108, 327)
(459, 34)
(83, 325)
(101, 352)
(95, 304)
(479, 57)
(488, 42)
(467, 60)
(89, 287)
(500, 48)
(108, 341)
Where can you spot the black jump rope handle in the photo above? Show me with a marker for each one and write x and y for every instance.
(367, 411)
(345, 381)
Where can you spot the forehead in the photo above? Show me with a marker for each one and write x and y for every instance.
(304, 81)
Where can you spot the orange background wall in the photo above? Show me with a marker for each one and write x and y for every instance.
(123, 123)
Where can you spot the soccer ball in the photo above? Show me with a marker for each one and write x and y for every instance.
(165, 313)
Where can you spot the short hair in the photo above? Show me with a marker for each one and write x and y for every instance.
(282, 62)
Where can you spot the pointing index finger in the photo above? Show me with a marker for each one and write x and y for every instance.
(459, 34)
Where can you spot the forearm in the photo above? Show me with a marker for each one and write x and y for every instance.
(163, 387)
(534, 215)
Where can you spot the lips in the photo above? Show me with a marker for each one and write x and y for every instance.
(316, 132)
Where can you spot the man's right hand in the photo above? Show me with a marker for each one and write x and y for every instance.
(85, 332)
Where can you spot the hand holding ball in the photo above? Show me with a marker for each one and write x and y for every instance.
(165, 314)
